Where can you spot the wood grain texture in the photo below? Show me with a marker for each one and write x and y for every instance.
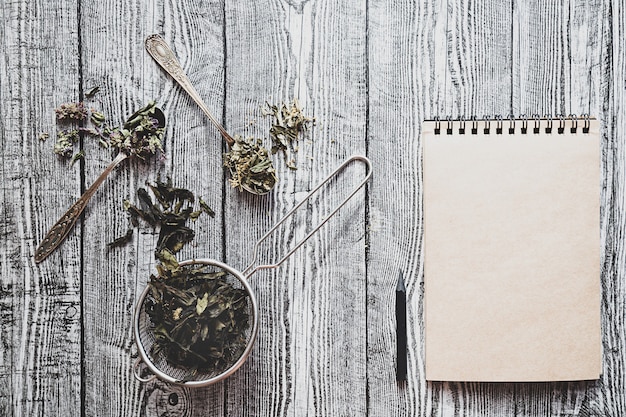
(612, 94)
(312, 334)
(129, 78)
(39, 305)
(113, 58)
(406, 52)
(369, 72)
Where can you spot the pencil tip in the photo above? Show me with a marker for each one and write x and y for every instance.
(400, 286)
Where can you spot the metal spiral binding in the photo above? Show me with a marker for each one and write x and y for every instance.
(532, 125)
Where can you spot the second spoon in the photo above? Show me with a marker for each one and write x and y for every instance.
(164, 56)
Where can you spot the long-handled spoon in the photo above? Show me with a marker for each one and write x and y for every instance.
(61, 228)
(164, 56)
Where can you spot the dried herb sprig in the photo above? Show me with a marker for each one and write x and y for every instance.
(288, 122)
(200, 319)
(141, 135)
(250, 166)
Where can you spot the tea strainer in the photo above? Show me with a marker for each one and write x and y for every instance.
(143, 327)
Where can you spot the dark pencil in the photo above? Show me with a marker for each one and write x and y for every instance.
(401, 329)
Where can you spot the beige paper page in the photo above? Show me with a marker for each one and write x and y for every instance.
(512, 255)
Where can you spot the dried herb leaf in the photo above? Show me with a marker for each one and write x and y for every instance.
(250, 166)
(77, 156)
(71, 112)
(288, 122)
(141, 135)
(64, 145)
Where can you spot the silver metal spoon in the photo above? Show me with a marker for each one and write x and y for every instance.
(57, 234)
(164, 56)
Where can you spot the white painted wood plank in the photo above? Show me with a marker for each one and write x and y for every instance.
(609, 398)
(40, 350)
(471, 57)
(309, 358)
(407, 67)
(129, 78)
(556, 63)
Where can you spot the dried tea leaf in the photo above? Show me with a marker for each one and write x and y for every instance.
(173, 208)
(202, 303)
(122, 240)
(199, 319)
(92, 92)
(205, 207)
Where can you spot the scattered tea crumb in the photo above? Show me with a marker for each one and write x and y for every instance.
(288, 122)
(43, 136)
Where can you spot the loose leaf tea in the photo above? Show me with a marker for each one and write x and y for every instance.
(250, 166)
(200, 320)
(288, 121)
(171, 211)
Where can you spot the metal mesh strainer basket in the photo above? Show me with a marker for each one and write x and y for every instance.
(158, 363)
(144, 328)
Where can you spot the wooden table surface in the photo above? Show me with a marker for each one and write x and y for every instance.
(369, 71)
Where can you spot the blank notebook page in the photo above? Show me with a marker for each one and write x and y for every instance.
(512, 255)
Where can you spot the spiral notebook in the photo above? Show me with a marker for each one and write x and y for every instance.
(512, 250)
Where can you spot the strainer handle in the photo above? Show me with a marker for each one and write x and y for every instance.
(138, 376)
(251, 269)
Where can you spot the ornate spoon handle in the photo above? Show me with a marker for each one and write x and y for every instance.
(61, 229)
(164, 56)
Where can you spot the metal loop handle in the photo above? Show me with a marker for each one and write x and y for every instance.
(251, 269)
(138, 377)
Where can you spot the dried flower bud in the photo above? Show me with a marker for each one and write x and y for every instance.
(71, 111)
(64, 145)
